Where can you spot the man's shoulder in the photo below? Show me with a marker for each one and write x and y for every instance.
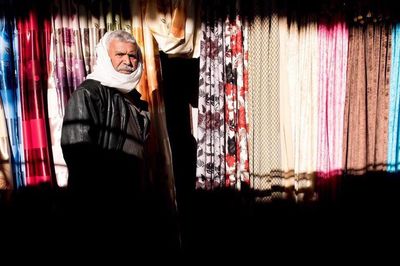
(89, 84)
(90, 87)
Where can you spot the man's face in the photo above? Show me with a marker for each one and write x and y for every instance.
(124, 56)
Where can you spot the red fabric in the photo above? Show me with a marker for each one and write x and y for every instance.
(34, 40)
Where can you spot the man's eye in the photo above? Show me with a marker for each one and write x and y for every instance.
(133, 56)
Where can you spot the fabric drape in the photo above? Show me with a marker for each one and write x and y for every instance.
(393, 158)
(299, 76)
(236, 87)
(263, 103)
(210, 171)
(6, 177)
(10, 92)
(223, 85)
(72, 56)
(367, 95)
(175, 25)
(333, 42)
(34, 40)
(159, 156)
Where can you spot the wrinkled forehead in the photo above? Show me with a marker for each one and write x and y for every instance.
(123, 45)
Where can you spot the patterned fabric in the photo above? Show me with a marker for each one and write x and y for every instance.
(72, 53)
(236, 85)
(367, 96)
(263, 103)
(10, 93)
(333, 42)
(222, 157)
(393, 159)
(211, 120)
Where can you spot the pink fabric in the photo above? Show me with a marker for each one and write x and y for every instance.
(333, 40)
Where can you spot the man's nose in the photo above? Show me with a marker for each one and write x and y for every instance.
(126, 60)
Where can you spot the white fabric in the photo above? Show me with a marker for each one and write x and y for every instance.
(108, 76)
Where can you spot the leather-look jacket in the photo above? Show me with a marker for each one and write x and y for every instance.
(103, 137)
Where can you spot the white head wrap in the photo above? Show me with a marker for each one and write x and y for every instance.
(108, 76)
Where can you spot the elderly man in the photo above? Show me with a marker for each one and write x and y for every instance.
(103, 137)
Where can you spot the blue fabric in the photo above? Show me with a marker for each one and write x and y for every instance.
(10, 94)
(393, 132)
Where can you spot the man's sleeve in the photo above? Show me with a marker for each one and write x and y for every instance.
(78, 139)
(79, 119)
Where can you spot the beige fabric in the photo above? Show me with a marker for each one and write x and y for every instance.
(263, 104)
(299, 106)
(175, 25)
(286, 141)
(6, 178)
(159, 158)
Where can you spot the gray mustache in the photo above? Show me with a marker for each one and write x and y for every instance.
(126, 68)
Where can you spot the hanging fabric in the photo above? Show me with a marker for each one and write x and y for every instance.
(6, 177)
(222, 125)
(299, 82)
(175, 26)
(333, 42)
(10, 91)
(211, 119)
(236, 86)
(159, 156)
(266, 175)
(393, 158)
(34, 40)
(366, 107)
(71, 56)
